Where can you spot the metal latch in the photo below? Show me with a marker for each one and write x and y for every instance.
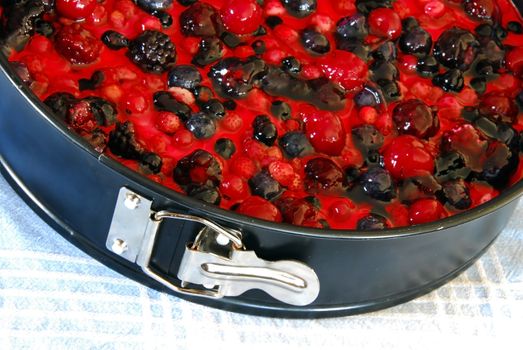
(216, 265)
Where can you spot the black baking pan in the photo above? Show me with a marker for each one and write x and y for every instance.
(76, 190)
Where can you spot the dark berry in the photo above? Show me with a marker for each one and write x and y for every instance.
(230, 105)
(273, 21)
(417, 187)
(207, 194)
(467, 141)
(103, 111)
(480, 9)
(352, 174)
(295, 144)
(371, 95)
(123, 143)
(151, 162)
(498, 131)
(263, 185)
(202, 94)
(372, 222)
(298, 211)
(152, 51)
(264, 130)
(210, 50)
(485, 68)
(414, 117)
(59, 103)
(300, 8)
(281, 110)
(450, 166)
(352, 27)
(200, 19)
(427, 67)
(186, 2)
(499, 107)
(366, 6)
(315, 42)
(416, 42)
(77, 44)
(479, 84)
(500, 163)
(18, 22)
(291, 64)
(383, 70)
(409, 23)
(151, 5)
(44, 28)
(322, 175)
(515, 27)
(198, 168)
(235, 78)
(166, 20)
(456, 194)
(367, 138)
(378, 184)
(214, 109)
(184, 76)
(456, 48)
(201, 125)
(386, 52)
(355, 46)
(97, 139)
(93, 82)
(164, 101)
(259, 47)
(484, 30)
(390, 89)
(451, 80)
(519, 99)
(114, 40)
(225, 147)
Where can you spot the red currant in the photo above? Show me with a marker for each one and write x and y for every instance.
(325, 132)
(426, 210)
(385, 23)
(406, 156)
(241, 16)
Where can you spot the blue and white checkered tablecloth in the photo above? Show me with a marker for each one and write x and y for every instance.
(53, 296)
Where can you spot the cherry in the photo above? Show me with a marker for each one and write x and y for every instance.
(425, 210)
(406, 157)
(345, 68)
(75, 9)
(260, 208)
(298, 211)
(385, 23)
(77, 44)
(325, 132)
(241, 16)
(414, 117)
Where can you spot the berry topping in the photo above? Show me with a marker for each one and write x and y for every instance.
(154, 5)
(210, 50)
(281, 110)
(372, 222)
(300, 8)
(235, 78)
(77, 44)
(152, 51)
(414, 117)
(151, 163)
(325, 132)
(295, 144)
(200, 19)
(75, 9)
(201, 125)
(59, 103)
(352, 27)
(425, 210)
(406, 156)
(263, 185)
(323, 176)
(214, 109)
(416, 41)
(264, 130)
(298, 211)
(456, 194)
(315, 42)
(198, 168)
(184, 76)
(480, 9)
(345, 68)
(385, 23)
(499, 107)
(456, 48)
(378, 184)
(451, 80)
(123, 143)
(241, 16)
(225, 148)
(259, 208)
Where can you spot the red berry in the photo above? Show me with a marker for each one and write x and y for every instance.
(406, 157)
(325, 132)
(241, 16)
(75, 9)
(234, 187)
(259, 208)
(385, 23)
(426, 210)
(414, 117)
(480, 9)
(243, 166)
(298, 211)
(183, 138)
(282, 172)
(465, 140)
(499, 107)
(342, 209)
(514, 61)
(168, 122)
(77, 44)
(345, 68)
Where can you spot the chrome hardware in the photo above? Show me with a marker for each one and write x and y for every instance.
(216, 265)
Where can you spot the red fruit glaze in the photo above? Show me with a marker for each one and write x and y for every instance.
(241, 16)
(75, 9)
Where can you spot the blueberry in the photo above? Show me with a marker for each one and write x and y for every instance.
(485, 68)
(200, 19)
(367, 138)
(202, 94)
(165, 18)
(370, 96)
(151, 163)
(263, 185)
(152, 5)
(322, 175)
(295, 144)
(456, 48)
(366, 6)
(450, 166)
(456, 194)
(123, 143)
(199, 168)
(207, 194)
(352, 27)
(114, 40)
(213, 108)
(235, 78)
(264, 130)
(416, 42)
(209, 51)
(152, 51)
(164, 101)
(281, 110)
(59, 103)
(427, 67)
(383, 70)
(390, 89)
(201, 125)
(225, 147)
(291, 64)
(372, 222)
(300, 8)
(377, 183)
(386, 52)
(414, 117)
(184, 76)
(315, 42)
(451, 80)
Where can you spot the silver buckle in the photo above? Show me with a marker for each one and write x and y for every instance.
(217, 264)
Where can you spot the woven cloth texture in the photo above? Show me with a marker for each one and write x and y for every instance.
(54, 296)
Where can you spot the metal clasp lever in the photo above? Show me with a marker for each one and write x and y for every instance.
(216, 265)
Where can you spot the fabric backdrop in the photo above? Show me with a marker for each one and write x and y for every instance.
(53, 296)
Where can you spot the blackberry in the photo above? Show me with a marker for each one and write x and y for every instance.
(225, 147)
(97, 139)
(264, 130)
(451, 80)
(315, 42)
(456, 194)
(263, 185)
(427, 67)
(295, 144)
(43, 28)
(201, 125)
(151, 163)
(371, 95)
(214, 109)
(123, 143)
(164, 101)
(184, 76)
(499, 165)
(390, 89)
(515, 27)
(103, 111)
(372, 222)
(300, 8)
(235, 78)
(377, 183)
(417, 42)
(152, 51)
(210, 50)
(114, 40)
(352, 27)
(281, 110)
(322, 175)
(59, 103)
(456, 48)
(19, 22)
(198, 168)
(200, 19)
